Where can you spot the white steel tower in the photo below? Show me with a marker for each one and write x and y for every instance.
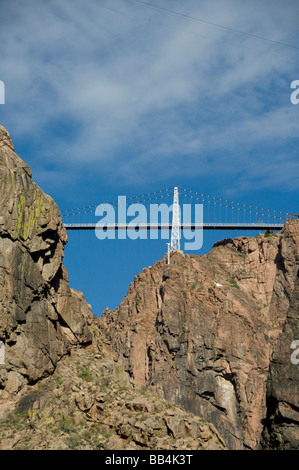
(176, 223)
(174, 244)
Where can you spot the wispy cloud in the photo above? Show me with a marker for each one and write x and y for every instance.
(132, 91)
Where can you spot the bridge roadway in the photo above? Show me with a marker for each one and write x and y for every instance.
(188, 226)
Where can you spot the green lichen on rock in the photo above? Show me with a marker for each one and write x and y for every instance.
(28, 215)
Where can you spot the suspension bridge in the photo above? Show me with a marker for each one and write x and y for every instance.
(218, 214)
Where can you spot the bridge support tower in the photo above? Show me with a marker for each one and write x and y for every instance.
(175, 240)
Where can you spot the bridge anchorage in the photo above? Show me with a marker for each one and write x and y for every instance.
(225, 215)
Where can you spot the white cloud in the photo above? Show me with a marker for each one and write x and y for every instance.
(149, 85)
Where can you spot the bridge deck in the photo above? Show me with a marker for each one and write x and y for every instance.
(148, 226)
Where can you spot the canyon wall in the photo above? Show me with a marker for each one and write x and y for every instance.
(40, 316)
(212, 335)
(206, 332)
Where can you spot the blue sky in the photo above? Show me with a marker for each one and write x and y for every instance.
(122, 97)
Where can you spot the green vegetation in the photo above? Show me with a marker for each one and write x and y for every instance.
(233, 283)
(85, 374)
(269, 234)
(67, 424)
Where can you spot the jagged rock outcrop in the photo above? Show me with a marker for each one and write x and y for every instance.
(40, 316)
(201, 331)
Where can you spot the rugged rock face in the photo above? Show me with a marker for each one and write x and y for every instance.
(206, 339)
(61, 387)
(282, 422)
(201, 332)
(40, 316)
(89, 403)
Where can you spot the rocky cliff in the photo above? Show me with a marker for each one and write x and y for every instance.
(212, 333)
(197, 356)
(61, 386)
(281, 429)
(89, 403)
(40, 316)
